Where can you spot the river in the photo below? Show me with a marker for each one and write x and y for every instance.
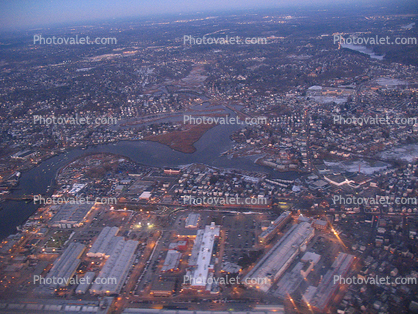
(208, 151)
(363, 49)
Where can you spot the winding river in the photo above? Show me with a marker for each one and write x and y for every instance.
(209, 149)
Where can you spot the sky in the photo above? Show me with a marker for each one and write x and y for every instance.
(26, 14)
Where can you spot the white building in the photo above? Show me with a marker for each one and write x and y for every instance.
(203, 264)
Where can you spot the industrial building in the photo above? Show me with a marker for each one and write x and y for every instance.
(116, 269)
(179, 246)
(87, 281)
(187, 233)
(277, 260)
(320, 224)
(192, 220)
(196, 248)
(163, 288)
(105, 243)
(65, 266)
(288, 284)
(201, 260)
(276, 226)
(311, 256)
(327, 288)
(70, 215)
(172, 261)
(291, 281)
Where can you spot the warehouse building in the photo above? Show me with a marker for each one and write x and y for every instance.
(105, 243)
(172, 261)
(290, 282)
(193, 259)
(272, 266)
(116, 269)
(192, 220)
(276, 226)
(327, 288)
(163, 288)
(65, 266)
(87, 280)
(201, 260)
(70, 215)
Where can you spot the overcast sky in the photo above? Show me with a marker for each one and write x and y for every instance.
(35, 13)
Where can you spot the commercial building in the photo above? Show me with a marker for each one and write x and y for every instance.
(278, 224)
(179, 246)
(201, 261)
(70, 215)
(172, 261)
(115, 271)
(272, 266)
(327, 288)
(146, 195)
(187, 233)
(105, 243)
(163, 288)
(192, 220)
(65, 266)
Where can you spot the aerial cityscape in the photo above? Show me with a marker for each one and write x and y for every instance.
(192, 158)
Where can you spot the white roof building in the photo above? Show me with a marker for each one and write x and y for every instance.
(115, 271)
(202, 265)
(105, 242)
